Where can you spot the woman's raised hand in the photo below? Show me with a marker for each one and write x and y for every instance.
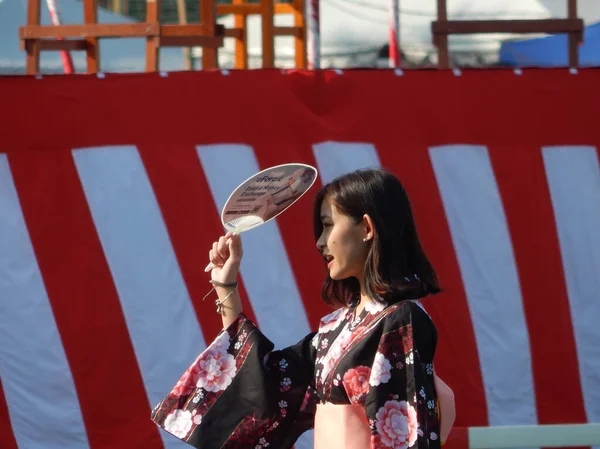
(225, 257)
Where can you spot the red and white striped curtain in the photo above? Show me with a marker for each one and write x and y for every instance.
(110, 191)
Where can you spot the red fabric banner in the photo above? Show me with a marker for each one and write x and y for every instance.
(110, 190)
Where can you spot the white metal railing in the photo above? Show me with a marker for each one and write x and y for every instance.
(559, 435)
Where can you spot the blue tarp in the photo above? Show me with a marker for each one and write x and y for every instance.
(552, 51)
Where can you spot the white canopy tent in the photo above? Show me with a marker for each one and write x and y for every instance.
(353, 32)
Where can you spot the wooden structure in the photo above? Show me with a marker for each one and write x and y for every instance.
(443, 27)
(207, 34)
(267, 9)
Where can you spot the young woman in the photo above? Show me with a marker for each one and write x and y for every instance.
(364, 380)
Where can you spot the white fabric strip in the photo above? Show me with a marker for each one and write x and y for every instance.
(265, 269)
(573, 175)
(483, 247)
(337, 158)
(160, 317)
(38, 385)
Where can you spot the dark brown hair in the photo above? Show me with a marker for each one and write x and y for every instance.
(396, 267)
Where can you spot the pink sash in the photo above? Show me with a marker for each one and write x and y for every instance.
(341, 427)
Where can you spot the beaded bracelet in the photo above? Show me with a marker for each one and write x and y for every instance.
(223, 285)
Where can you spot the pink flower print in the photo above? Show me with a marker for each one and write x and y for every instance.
(356, 383)
(397, 424)
(217, 370)
(179, 423)
(381, 370)
(196, 417)
(187, 382)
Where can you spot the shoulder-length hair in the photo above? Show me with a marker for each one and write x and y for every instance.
(396, 267)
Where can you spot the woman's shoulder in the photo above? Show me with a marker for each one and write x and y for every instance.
(408, 311)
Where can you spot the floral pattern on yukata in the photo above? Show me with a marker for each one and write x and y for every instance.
(240, 393)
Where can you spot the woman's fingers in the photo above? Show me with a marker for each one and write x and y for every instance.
(217, 258)
(223, 248)
(227, 248)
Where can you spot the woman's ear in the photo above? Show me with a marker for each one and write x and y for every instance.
(369, 228)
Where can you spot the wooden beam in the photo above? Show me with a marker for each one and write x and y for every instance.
(90, 11)
(243, 9)
(153, 42)
(32, 63)
(300, 55)
(192, 41)
(67, 45)
(182, 19)
(506, 26)
(235, 33)
(286, 8)
(240, 22)
(91, 30)
(268, 36)
(574, 38)
(192, 29)
(441, 41)
(288, 31)
(208, 17)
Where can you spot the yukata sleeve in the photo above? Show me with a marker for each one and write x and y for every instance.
(239, 393)
(401, 404)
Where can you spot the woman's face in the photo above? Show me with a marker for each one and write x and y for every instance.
(341, 243)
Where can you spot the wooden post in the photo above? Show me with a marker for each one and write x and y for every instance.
(32, 47)
(240, 21)
(300, 41)
(182, 16)
(268, 35)
(574, 38)
(152, 42)
(208, 17)
(92, 51)
(441, 41)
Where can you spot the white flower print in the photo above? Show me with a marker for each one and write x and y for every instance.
(263, 442)
(283, 364)
(324, 343)
(178, 423)
(380, 373)
(332, 321)
(409, 359)
(315, 341)
(283, 404)
(422, 392)
(197, 418)
(431, 404)
(433, 436)
(199, 395)
(221, 343)
(429, 368)
(286, 382)
(238, 345)
(374, 307)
